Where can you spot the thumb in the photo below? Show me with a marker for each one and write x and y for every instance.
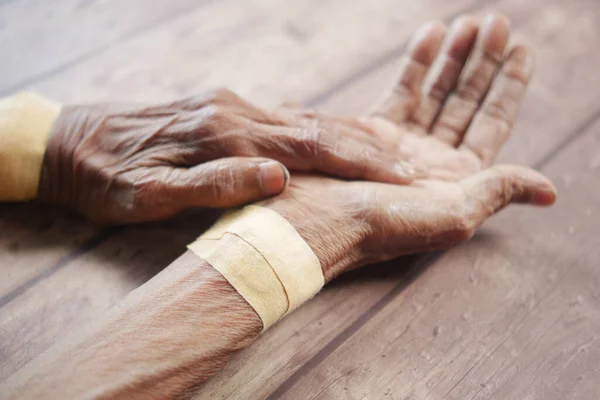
(233, 181)
(494, 188)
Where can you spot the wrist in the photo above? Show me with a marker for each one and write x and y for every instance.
(334, 228)
(58, 163)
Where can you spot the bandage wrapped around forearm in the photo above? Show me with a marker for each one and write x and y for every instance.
(25, 123)
(263, 257)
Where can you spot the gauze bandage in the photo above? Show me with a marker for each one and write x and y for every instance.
(265, 260)
(25, 123)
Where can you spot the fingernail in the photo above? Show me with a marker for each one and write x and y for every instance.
(544, 198)
(403, 168)
(274, 177)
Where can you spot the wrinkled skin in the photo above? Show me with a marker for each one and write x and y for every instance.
(124, 164)
(454, 126)
(451, 110)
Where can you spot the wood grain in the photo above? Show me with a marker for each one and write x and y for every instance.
(466, 329)
(307, 46)
(40, 38)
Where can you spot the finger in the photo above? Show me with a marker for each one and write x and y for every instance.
(494, 120)
(447, 67)
(334, 150)
(492, 189)
(480, 70)
(222, 183)
(401, 101)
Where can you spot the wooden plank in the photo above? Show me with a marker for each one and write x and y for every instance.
(247, 46)
(39, 38)
(300, 337)
(72, 297)
(34, 238)
(203, 48)
(506, 316)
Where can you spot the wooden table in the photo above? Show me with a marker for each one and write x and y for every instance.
(513, 314)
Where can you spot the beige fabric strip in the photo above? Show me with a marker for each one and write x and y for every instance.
(248, 273)
(26, 120)
(284, 254)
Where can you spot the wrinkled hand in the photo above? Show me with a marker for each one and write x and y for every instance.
(455, 129)
(121, 164)
(457, 96)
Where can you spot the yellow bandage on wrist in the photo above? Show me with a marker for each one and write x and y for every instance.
(25, 123)
(263, 257)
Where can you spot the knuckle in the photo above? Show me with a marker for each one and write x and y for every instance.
(491, 59)
(476, 83)
(404, 89)
(216, 118)
(90, 164)
(128, 196)
(213, 113)
(462, 226)
(315, 143)
(220, 95)
(471, 90)
(500, 110)
(205, 98)
(438, 91)
(136, 194)
(367, 157)
(218, 132)
(464, 231)
(501, 186)
(517, 74)
(509, 188)
(441, 87)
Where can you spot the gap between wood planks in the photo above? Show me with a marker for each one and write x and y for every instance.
(105, 234)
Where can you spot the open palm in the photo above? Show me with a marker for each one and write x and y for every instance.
(451, 110)
(456, 98)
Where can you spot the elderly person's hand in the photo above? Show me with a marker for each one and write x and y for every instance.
(349, 224)
(122, 164)
(456, 99)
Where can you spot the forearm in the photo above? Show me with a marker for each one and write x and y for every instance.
(165, 338)
(181, 327)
